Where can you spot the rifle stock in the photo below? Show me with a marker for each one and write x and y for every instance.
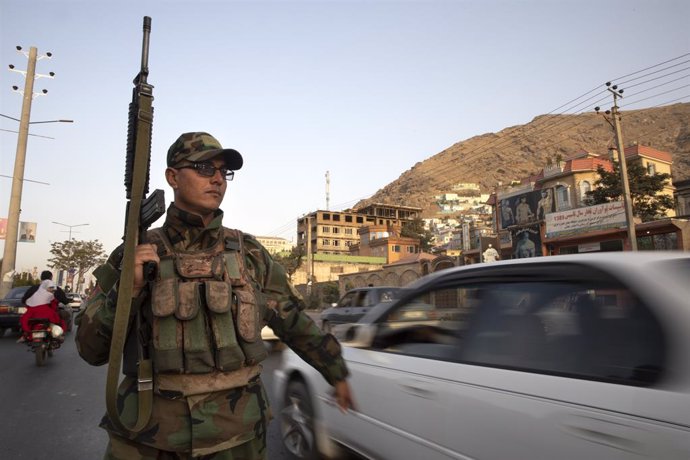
(140, 214)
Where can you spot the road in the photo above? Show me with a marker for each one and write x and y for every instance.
(53, 412)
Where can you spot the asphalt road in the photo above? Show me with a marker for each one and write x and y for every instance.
(52, 412)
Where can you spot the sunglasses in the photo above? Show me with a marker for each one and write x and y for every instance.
(208, 170)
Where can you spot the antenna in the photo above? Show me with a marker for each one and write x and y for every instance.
(328, 190)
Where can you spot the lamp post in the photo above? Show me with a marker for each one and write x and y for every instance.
(70, 228)
(10, 251)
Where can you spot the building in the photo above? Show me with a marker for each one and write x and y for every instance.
(682, 198)
(333, 232)
(384, 241)
(546, 214)
(274, 245)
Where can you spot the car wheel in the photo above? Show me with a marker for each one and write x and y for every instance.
(297, 422)
(326, 326)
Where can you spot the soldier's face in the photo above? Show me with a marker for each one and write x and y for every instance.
(195, 193)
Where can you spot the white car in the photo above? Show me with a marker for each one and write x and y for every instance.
(75, 301)
(563, 357)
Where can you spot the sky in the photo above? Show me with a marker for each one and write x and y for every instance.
(361, 90)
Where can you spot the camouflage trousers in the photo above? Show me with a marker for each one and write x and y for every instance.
(123, 449)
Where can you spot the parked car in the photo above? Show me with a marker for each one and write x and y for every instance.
(75, 301)
(354, 304)
(568, 357)
(9, 317)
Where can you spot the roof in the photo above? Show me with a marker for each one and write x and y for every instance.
(645, 151)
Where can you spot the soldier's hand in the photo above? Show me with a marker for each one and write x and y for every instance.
(343, 396)
(142, 254)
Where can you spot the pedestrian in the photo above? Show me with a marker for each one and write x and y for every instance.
(201, 319)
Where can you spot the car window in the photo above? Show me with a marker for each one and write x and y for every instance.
(596, 331)
(346, 300)
(583, 330)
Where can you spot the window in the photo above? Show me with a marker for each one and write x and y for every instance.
(336, 229)
(651, 169)
(326, 242)
(360, 220)
(348, 218)
(585, 187)
(395, 248)
(326, 216)
(562, 197)
(336, 242)
(411, 249)
(336, 217)
(325, 229)
(593, 330)
(348, 231)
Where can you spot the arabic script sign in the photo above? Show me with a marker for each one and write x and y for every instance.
(587, 219)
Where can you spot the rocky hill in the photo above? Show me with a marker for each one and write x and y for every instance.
(516, 152)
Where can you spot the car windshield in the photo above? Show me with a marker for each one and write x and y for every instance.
(18, 292)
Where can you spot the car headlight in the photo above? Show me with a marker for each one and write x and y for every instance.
(21, 310)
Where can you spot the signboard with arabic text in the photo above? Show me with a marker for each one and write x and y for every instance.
(587, 219)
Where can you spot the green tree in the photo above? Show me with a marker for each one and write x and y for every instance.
(80, 256)
(290, 260)
(416, 229)
(648, 202)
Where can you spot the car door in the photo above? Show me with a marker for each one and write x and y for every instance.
(341, 312)
(400, 412)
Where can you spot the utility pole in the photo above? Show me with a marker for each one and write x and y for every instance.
(627, 198)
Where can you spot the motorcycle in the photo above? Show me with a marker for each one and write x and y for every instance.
(45, 337)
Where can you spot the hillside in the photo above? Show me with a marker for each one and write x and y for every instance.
(519, 151)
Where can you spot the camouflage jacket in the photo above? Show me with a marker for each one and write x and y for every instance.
(206, 423)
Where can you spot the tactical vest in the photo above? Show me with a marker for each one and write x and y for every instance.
(206, 317)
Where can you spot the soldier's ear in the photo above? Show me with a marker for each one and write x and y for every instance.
(171, 177)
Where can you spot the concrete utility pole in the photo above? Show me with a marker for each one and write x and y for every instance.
(627, 198)
(10, 252)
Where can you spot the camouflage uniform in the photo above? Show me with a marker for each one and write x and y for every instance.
(229, 423)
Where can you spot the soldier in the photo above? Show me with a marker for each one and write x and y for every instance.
(201, 321)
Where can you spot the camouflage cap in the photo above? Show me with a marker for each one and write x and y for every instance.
(200, 146)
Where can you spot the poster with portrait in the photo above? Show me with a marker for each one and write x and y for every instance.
(546, 203)
(3, 228)
(27, 232)
(524, 208)
(526, 242)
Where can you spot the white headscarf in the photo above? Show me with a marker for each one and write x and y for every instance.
(42, 296)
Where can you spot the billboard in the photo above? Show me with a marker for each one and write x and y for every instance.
(3, 228)
(27, 232)
(526, 208)
(526, 242)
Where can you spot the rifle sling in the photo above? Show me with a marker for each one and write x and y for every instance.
(125, 287)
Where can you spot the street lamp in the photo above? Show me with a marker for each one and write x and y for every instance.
(70, 227)
(10, 251)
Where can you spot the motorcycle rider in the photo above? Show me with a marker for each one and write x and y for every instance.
(42, 304)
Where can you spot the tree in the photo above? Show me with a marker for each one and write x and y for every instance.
(290, 261)
(80, 256)
(648, 202)
(416, 229)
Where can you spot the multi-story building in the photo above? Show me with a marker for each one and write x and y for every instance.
(274, 244)
(333, 232)
(384, 241)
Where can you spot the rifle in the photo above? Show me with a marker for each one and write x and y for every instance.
(141, 212)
